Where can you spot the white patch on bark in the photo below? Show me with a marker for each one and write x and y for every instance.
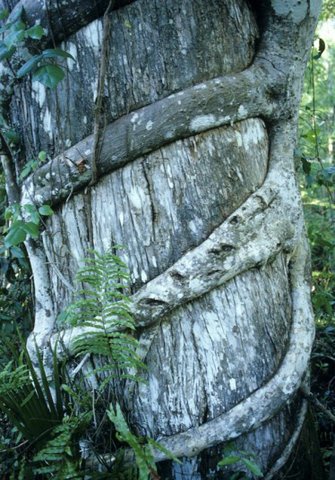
(239, 139)
(242, 111)
(72, 49)
(149, 125)
(201, 122)
(47, 121)
(135, 196)
(93, 35)
(232, 384)
(39, 94)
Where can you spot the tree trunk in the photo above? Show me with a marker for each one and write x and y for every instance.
(196, 181)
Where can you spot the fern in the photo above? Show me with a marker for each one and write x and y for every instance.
(143, 457)
(102, 306)
(59, 458)
(142, 448)
(26, 398)
(39, 413)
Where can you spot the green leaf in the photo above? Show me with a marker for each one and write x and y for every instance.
(11, 136)
(56, 52)
(49, 75)
(16, 235)
(8, 213)
(28, 168)
(252, 467)
(230, 460)
(42, 156)
(28, 66)
(46, 210)
(33, 213)
(6, 52)
(4, 14)
(36, 32)
(18, 26)
(31, 229)
(14, 38)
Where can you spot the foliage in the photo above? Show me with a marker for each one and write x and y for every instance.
(15, 294)
(56, 413)
(43, 67)
(316, 151)
(103, 307)
(33, 164)
(59, 457)
(144, 458)
(328, 9)
(30, 403)
(232, 456)
(25, 221)
(142, 449)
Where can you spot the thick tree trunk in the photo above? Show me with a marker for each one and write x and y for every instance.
(196, 181)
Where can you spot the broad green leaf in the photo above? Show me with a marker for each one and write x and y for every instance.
(31, 229)
(36, 32)
(16, 234)
(18, 26)
(56, 52)
(14, 38)
(28, 66)
(28, 168)
(11, 136)
(42, 156)
(230, 460)
(252, 467)
(45, 210)
(33, 213)
(49, 75)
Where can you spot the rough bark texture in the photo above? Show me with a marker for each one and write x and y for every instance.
(197, 183)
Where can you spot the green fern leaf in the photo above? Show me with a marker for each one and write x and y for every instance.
(103, 306)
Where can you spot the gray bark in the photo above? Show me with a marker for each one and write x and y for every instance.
(197, 182)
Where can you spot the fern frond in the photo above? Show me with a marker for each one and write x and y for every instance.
(103, 306)
(59, 457)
